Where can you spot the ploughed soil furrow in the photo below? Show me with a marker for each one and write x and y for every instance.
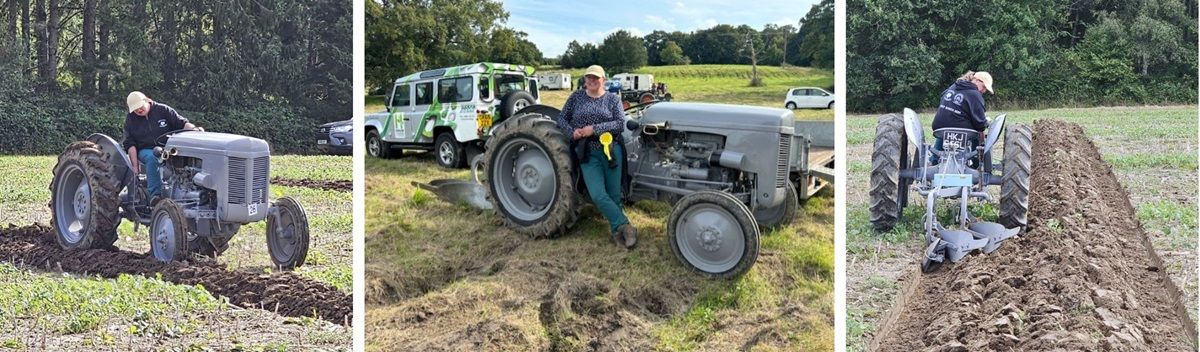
(286, 293)
(328, 185)
(1083, 277)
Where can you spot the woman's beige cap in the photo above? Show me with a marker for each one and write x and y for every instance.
(986, 78)
(135, 100)
(595, 70)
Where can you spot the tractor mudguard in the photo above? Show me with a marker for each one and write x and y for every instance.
(994, 131)
(912, 128)
(122, 169)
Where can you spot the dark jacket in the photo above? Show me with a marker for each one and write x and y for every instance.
(141, 132)
(960, 106)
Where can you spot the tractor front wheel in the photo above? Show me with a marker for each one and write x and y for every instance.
(287, 234)
(168, 231)
(713, 234)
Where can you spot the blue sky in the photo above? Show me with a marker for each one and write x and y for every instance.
(553, 24)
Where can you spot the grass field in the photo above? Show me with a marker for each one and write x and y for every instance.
(1152, 151)
(464, 273)
(77, 310)
(727, 84)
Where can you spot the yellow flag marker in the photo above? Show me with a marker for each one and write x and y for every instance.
(606, 141)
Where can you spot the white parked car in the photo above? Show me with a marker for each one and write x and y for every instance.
(808, 97)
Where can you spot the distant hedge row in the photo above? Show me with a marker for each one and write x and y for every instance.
(40, 127)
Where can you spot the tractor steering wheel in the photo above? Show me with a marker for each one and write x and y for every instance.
(162, 142)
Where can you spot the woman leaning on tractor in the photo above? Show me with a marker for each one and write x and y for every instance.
(589, 114)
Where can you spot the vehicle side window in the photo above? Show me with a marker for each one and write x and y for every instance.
(424, 93)
(808, 92)
(455, 90)
(484, 91)
(402, 96)
(533, 88)
(796, 92)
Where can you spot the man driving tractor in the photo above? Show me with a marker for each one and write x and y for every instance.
(962, 106)
(146, 122)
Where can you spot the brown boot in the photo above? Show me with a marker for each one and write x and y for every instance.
(629, 234)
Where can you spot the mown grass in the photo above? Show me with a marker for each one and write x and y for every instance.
(1151, 149)
(413, 234)
(726, 84)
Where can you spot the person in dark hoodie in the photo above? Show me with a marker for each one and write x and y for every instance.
(146, 122)
(961, 105)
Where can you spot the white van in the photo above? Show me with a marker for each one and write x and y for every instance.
(449, 110)
(635, 81)
(548, 81)
(808, 97)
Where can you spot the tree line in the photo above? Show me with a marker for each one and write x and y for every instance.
(903, 53)
(259, 61)
(811, 44)
(406, 36)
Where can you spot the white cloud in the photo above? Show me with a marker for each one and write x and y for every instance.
(659, 23)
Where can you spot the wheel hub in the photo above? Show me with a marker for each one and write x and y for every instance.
(373, 146)
(446, 152)
(710, 238)
(82, 200)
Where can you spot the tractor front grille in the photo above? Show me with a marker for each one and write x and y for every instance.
(258, 194)
(782, 167)
(245, 174)
(237, 180)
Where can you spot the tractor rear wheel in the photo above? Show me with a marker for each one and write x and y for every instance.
(781, 215)
(84, 199)
(713, 234)
(529, 176)
(1014, 184)
(885, 172)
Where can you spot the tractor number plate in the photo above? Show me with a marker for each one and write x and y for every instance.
(252, 209)
(322, 141)
(952, 180)
(953, 140)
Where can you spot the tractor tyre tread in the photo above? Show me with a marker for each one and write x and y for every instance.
(564, 211)
(885, 172)
(105, 199)
(1014, 185)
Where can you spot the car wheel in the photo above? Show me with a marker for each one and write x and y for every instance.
(448, 152)
(376, 147)
(791, 106)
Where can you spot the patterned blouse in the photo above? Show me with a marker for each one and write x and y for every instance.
(603, 113)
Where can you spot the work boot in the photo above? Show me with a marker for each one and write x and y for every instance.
(628, 234)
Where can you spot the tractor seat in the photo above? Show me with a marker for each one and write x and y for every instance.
(962, 138)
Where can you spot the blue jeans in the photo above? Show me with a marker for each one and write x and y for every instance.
(150, 166)
(604, 185)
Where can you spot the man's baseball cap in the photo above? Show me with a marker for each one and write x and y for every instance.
(135, 100)
(595, 70)
(986, 78)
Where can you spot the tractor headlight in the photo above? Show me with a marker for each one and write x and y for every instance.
(340, 129)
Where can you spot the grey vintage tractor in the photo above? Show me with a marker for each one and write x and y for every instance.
(959, 168)
(725, 168)
(213, 183)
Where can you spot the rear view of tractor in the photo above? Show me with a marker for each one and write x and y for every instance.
(213, 183)
(960, 168)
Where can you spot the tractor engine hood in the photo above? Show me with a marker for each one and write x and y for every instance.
(691, 116)
(192, 143)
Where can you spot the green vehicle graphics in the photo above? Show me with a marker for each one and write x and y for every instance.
(449, 111)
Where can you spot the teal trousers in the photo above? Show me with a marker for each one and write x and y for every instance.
(604, 184)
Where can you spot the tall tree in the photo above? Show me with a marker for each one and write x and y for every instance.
(621, 51)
